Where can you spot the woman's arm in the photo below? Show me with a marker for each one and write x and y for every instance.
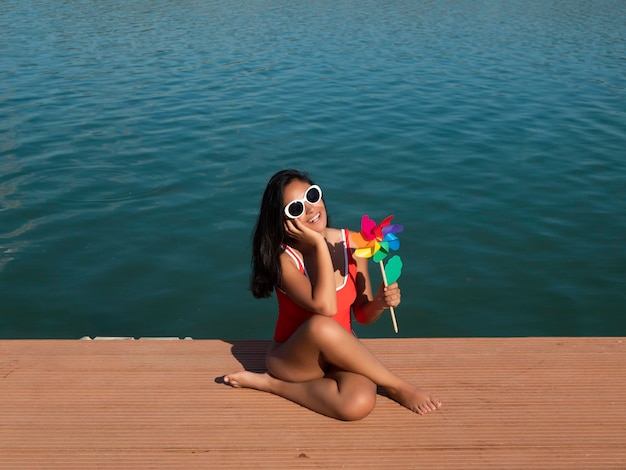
(367, 308)
(318, 293)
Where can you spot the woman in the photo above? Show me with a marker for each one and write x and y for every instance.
(315, 360)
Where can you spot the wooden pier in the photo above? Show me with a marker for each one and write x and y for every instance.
(509, 403)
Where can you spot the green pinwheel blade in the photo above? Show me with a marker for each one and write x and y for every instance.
(382, 252)
(393, 269)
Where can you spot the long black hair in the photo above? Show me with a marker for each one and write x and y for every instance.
(269, 233)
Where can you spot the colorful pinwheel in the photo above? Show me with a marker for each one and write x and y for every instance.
(376, 241)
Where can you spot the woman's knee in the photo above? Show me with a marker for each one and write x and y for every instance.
(358, 405)
(320, 326)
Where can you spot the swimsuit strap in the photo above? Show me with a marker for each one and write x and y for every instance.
(296, 259)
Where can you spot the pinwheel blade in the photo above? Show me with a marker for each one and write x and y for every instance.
(393, 269)
(382, 253)
(378, 230)
(394, 228)
(358, 241)
(364, 252)
(376, 240)
(367, 228)
(367, 251)
(393, 242)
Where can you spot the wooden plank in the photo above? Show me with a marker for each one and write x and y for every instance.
(548, 403)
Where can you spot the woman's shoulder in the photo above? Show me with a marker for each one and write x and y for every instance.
(338, 233)
(289, 251)
(332, 232)
(349, 235)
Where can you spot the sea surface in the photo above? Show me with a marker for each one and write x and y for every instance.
(136, 138)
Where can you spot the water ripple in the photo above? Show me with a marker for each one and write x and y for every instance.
(136, 139)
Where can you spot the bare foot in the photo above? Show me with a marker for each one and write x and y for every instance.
(415, 399)
(247, 379)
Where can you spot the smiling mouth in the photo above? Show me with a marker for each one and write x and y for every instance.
(314, 219)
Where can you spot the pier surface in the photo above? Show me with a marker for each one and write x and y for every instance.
(522, 403)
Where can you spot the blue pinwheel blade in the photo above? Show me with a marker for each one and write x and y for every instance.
(392, 242)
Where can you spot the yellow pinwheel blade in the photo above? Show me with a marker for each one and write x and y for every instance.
(364, 252)
(367, 251)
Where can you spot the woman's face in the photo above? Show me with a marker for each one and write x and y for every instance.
(314, 215)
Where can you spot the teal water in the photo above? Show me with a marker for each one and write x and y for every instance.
(136, 138)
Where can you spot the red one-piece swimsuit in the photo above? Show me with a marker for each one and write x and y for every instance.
(292, 315)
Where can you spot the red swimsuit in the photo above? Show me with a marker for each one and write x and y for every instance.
(291, 315)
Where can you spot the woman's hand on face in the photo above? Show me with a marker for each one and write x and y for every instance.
(301, 233)
(390, 295)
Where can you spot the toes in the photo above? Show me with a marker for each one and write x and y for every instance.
(231, 382)
(427, 407)
(436, 404)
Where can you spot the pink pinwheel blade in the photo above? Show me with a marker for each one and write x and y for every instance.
(367, 228)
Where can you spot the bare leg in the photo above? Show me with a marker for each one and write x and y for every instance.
(341, 395)
(320, 342)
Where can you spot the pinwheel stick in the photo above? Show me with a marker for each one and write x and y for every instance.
(391, 310)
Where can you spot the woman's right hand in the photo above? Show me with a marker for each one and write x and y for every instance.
(302, 234)
(316, 293)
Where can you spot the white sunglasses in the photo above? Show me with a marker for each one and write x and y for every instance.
(295, 208)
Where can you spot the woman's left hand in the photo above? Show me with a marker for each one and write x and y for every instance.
(389, 296)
